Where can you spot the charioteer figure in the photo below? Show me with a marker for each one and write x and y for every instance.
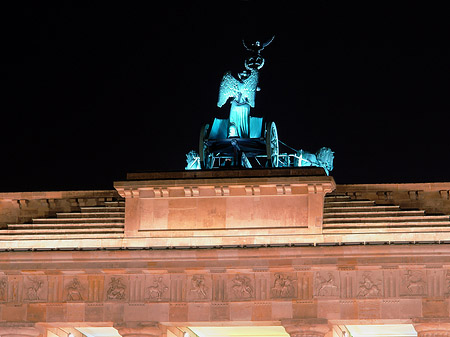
(242, 89)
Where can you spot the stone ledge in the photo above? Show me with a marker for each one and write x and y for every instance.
(232, 173)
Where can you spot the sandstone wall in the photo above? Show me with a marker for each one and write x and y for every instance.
(21, 207)
(431, 197)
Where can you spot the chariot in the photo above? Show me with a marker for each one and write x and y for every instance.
(219, 148)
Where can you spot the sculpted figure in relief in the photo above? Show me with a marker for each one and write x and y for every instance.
(242, 287)
(414, 282)
(199, 287)
(157, 290)
(283, 286)
(74, 289)
(367, 287)
(116, 290)
(326, 286)
(32, 292)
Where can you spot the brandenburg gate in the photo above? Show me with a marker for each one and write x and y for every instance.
(248, 237)
(166, 252)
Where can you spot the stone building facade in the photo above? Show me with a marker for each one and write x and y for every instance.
(283, 247)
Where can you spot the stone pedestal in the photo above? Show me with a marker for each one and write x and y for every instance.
(222, 208)
(314, 327)
(139, 329)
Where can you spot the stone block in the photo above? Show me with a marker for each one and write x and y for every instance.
(178, 312)
(36, 312)
(135, 312)
(158, 312)
(75, 312)
(281, 310)
(199, 312)
(390, 308)
(410, 308)
(369, 309)
(56, 313)
(349, 309)
(329, 309)
(14, 313)
(220, 312)
(93, 312)
(433, 308)
(304, 309)
(262, 311)
(241, 311)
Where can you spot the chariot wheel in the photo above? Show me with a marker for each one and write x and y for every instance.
(272, 145)
(202, 148)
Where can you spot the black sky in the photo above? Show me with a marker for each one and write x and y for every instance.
(93, 90)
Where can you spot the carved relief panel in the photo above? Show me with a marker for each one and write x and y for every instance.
(241, 287)
(35, 288)
(199, 287)
(326, 283)
(283, 285)
(158, 288)
(369, 284)
(116, 288)
(75, 288)
(413, 283)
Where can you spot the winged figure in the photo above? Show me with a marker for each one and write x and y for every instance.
(242, 90)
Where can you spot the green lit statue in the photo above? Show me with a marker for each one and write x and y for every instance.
(244, 141)
(242, 90)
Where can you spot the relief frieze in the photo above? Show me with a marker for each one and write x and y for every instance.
(383, 284)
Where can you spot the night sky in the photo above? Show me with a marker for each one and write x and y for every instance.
(93, 90)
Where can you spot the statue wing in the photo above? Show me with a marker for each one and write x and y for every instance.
(265, 44)
(249, 87)
(229, 87)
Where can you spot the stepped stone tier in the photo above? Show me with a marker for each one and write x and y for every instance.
(284, 247)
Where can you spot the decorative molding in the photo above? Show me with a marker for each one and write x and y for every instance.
(388, 285)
